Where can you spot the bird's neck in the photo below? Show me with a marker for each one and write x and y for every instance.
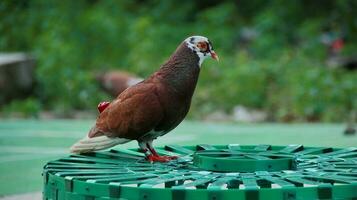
(181, 71)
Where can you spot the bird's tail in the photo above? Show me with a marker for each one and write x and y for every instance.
(88, 144)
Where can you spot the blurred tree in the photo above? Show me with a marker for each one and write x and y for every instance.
(272, 56)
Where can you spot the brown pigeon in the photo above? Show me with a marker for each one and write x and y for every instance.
(153, 107)
(115, 82)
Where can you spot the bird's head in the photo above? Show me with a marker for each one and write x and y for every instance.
(202, 47)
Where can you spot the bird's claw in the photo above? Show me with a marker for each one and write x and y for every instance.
(153, 158)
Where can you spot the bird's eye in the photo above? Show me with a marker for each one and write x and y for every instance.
(202, 46)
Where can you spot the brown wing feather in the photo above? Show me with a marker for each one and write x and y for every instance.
(134, 113)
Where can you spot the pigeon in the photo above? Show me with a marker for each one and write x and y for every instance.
(152, 107)
(115, 82)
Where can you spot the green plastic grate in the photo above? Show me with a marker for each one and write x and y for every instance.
(206, 172)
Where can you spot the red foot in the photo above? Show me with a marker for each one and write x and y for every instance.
(102, 106)
(157, 158)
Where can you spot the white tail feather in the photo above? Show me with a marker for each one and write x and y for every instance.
(88, 144)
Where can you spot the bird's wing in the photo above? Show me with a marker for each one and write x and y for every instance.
(134, 113)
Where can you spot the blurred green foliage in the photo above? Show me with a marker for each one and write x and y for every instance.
(28, 108)
(281, 70)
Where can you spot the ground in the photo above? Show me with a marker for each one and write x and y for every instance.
(26, 145)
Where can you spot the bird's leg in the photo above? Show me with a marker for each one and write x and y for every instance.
(156, 157)
(144, 149)
(151, 149)
(151, 155)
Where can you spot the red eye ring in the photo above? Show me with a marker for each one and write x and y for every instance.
(202, 46)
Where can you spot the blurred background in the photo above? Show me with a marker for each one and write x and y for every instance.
(280, 61)
(289, 60)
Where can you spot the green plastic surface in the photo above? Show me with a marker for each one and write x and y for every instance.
(310, 173)
(242, 160)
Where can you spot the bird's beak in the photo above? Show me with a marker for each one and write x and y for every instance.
(214, 55)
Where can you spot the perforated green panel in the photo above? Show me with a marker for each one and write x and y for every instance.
(207, 172)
